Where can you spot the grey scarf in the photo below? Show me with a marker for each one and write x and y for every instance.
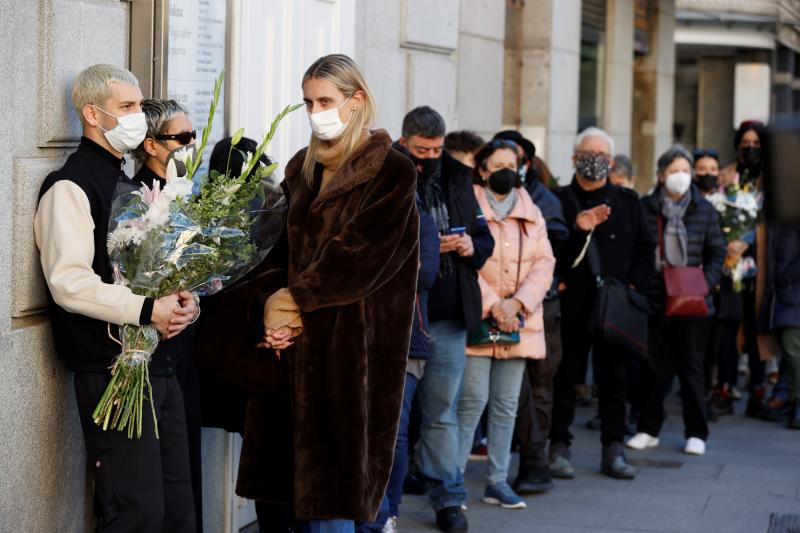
(502, 207)
(675, 236)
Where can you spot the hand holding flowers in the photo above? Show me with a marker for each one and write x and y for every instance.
(738, 208)
(171, 244)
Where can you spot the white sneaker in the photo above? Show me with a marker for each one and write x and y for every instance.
(695, 446)
(641, 441)
(391, 525)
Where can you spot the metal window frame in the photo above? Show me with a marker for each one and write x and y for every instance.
(149, 36)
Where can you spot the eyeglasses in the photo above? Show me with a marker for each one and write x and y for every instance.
(184, 137)
(705, 152)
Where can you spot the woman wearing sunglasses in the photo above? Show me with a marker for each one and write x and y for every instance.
(169, 129)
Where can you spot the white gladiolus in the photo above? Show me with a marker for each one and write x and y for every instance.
(183, 154)
(178, 188)
(172, 172)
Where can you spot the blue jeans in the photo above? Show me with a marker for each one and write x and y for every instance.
(496, 382)
(380, 520)
(326, 526)
(400, 467)
(437, 450)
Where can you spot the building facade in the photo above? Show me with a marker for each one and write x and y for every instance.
(547, 67)
(737, 60)
(577, 63)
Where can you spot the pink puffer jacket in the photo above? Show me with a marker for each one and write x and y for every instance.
(498, 277)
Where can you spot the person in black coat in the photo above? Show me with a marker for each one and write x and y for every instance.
(610, 219)
(689, 235)
(455, 306)
(780, 310)
(418, 353)
(169, 129)
(139, 484)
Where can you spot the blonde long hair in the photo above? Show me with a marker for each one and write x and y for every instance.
(342, 72)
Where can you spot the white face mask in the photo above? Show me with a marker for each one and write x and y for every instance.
(678, 182)
(129, 132)
(327, 125)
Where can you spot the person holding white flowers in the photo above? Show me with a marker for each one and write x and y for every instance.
(170, 139)
(688, 264)
(140, 484)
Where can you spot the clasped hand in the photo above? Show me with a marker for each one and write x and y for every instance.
(174, 313)
(506, 314)
(279, 339)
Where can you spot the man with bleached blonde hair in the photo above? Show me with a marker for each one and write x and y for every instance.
(141, 484)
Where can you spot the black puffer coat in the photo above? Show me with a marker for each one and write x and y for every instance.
(706, 244)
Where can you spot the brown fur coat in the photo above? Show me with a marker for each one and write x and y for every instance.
(352, 267)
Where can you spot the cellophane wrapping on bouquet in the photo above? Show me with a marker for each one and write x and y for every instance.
(164, 241)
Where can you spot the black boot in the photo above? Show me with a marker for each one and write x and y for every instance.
(794, 415)
(533, 480)
(614, 464)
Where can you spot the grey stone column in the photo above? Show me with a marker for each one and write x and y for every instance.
(654, 88)
(541, 80)
(618, 94)
(715, 105)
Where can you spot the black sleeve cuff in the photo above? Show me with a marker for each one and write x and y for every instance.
(147, 312)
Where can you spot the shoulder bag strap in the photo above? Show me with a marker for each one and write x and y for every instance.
(519, 255)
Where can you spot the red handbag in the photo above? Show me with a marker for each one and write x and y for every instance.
(686, 286)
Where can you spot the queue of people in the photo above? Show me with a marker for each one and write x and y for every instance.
(419, 283)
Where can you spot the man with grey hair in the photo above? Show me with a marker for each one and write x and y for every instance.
(609, 239)
(139, 484)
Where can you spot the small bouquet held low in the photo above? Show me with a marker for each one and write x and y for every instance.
(738, 213)
(164, 241)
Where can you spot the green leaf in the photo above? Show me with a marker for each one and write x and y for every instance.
(207, 128)
(268, 137)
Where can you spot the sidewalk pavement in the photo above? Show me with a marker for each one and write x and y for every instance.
(748, 482)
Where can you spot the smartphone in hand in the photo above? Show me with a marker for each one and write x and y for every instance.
(458, 231)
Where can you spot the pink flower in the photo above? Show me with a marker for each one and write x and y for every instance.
(149, 195)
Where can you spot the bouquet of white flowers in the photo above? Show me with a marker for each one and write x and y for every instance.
(738, 213)
(164, 241)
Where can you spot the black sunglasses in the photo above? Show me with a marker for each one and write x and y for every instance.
(184, 137)
(702, 152)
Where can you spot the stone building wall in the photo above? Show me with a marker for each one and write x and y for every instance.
(43, 485)
(446, 54)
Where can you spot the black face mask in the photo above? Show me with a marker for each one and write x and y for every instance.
(707, 182)
(750, 156)
(502, 181)
(427, 169)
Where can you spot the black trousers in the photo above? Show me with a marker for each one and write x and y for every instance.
(535, 409)
(676, 346)
(729, 330)
(728, 358)
(189, 380)
(140, 485)
(610, 375)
